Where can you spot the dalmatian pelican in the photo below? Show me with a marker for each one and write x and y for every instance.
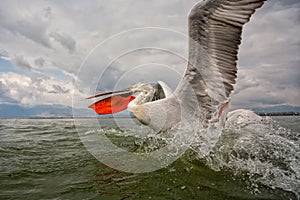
(214, 28)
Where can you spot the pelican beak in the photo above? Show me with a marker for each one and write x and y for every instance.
(113, 104)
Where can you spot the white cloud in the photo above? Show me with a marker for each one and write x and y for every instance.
(59, 34)
(269, 58)
(21, 62)
(30, 91)
(65, 40)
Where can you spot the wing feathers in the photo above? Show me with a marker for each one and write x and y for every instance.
(215, 28)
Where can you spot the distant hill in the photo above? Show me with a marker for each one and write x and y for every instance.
(282, 109)
(19, 111)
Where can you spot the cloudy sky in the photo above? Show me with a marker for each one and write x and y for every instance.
(53, 51)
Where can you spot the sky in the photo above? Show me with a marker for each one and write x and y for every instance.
(59, 52)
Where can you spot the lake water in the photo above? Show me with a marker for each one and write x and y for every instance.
(46, 159)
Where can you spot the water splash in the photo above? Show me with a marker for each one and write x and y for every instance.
(267, 153)
(250, 145)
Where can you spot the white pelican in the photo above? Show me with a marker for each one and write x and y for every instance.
(215, 28)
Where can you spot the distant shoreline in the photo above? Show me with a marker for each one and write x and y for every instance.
(104, 117)
(278, 114)
(67, 117)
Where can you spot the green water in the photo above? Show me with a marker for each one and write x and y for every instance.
(45, 159)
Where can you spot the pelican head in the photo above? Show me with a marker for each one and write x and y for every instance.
(138, 94)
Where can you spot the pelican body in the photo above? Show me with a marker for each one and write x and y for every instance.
(215, 28)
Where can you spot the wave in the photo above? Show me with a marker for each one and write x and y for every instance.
(261, 149)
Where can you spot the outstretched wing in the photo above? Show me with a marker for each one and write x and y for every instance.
(215, 28)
